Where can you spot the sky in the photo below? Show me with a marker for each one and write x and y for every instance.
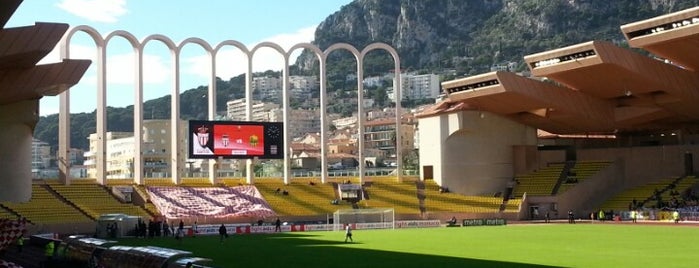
(247, 21)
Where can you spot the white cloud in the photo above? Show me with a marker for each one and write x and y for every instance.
(95, 10)
(121, 68)
(231, 62)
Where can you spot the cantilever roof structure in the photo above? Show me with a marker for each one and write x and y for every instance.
(673, 36)
(21, 49)
(598, 87)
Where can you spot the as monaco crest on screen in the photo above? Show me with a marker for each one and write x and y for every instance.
(235, 139)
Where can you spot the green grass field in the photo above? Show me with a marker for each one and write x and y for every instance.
(540, 245)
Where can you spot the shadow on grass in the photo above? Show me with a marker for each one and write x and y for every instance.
(302, 250)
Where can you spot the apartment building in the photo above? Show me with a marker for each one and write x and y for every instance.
(380, 134)
(417, 87)
(41, 155)
(235, 110)
(156, 150)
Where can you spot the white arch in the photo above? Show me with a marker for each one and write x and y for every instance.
(101, 43)
(360, 98)
(285, 108)
(397, 90)
(138, 98)
(323, 105)
(175, 113)
(64, 99)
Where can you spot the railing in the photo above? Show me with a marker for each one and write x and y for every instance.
(262, 174)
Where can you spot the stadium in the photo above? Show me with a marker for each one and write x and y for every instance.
(597, 134)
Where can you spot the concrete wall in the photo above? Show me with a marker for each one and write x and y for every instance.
(17, 120)
(646, 164)
(474, 152)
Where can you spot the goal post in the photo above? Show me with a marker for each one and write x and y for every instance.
(366, 218)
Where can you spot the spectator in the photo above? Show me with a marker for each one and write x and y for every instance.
(20, 242)
(48, 253)
(166, 229)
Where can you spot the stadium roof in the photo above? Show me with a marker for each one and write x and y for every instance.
(21, 49)
(596, 87)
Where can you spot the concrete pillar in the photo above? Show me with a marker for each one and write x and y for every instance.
(17, 121)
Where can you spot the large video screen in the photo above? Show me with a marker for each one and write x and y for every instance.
(235, 139)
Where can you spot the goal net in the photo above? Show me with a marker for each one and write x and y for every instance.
(366, 218)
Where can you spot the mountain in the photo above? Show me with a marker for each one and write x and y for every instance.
(467, 36)
(471, 36)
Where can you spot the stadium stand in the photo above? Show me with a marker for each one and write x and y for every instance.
(232, 181)
(6, 214)
(512, 205)
(141, 191)
(302, 199)
(436, 201)
(195, 182)
(540, 182)
(119, 182)
(46, 208)
(159, 182)
(644, 194)
(387, 192)
(209, 202)
(581, 171)
(95, 199)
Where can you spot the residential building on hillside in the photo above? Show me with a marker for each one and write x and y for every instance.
(75, 156)
(41, 155)
(417, 87)
(301, 122)
(380, 134)
(345, 122)
(267, 88)
(375, 81)
(235, 110)
(383, 113)
(120, 150)
(302, 86)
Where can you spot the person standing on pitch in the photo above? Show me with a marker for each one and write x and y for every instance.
(278, 225)
(348, 233)
(223, 233)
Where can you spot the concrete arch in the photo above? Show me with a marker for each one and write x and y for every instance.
(64, 99)
(285, 103)
(344, 46)
(138, 97)
(124, 34)
(323, 105)
(159, 37)
(397, 88)
(211, 94)
(360, 98)
(271, 45)
(232, 43)
(175, 50)
(92, 32)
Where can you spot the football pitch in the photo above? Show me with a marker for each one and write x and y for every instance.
(518, 245)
